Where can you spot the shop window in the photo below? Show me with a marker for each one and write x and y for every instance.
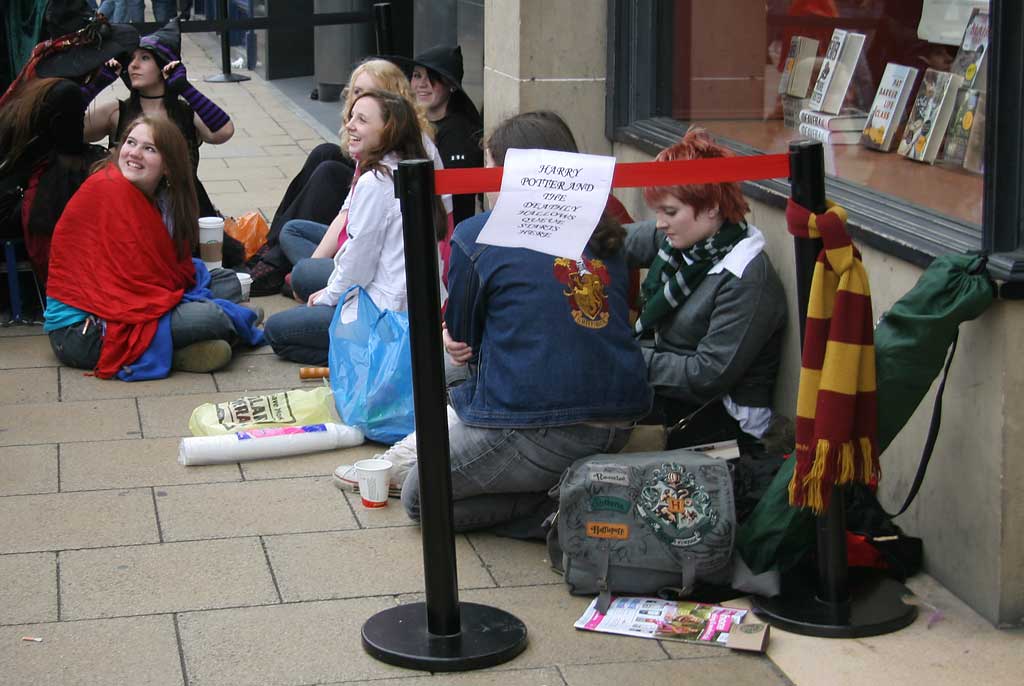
(723, 65)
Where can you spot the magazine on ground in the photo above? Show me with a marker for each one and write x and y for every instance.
(670, 620)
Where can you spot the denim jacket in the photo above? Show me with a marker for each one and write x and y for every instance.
(551, 337)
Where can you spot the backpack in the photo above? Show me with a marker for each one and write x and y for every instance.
(644, 523)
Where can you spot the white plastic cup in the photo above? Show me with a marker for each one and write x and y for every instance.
(372, 476)
(211, 241)
(246, 282)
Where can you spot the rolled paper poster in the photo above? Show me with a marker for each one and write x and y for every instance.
(260, 444)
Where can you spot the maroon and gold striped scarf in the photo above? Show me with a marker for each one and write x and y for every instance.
(837, 406)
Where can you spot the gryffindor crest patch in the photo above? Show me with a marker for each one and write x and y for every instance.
(585, 281)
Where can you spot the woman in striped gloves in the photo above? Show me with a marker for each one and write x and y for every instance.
(158, 84)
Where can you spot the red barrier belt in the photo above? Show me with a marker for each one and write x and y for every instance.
(634, 174)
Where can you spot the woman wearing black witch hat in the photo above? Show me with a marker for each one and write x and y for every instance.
(437, 82)
(158, 83)
(43, 158)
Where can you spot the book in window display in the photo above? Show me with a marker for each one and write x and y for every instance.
(970, 58)
(836, 72)
(824, 135)
(954, 148)
(796, 73)
(889, 107)
(929, 117)
(974, 157)
(848, 119)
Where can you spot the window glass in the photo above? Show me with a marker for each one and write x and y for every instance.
(754, 71)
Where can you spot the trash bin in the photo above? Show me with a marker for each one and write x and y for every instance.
(337, 48)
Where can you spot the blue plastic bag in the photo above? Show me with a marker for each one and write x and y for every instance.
(371, 370)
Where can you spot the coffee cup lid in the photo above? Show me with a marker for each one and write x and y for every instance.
(211, 222)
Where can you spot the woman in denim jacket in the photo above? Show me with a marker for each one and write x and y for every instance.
(554, 371)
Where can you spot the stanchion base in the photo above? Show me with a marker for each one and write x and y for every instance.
(875, 607)
(227, 78)
(399, 636)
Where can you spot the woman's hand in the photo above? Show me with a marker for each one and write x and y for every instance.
(313, 298)
(114, 66)
(459, 353)
(175, 78)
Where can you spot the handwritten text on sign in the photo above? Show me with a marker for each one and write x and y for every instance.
(550, 201)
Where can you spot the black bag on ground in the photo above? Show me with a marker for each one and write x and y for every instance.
(645, 523)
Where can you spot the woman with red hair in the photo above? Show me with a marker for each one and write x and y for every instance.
(713, 309)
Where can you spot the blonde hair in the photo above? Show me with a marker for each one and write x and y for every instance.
(388, 77)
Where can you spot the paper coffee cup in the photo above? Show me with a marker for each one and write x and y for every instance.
(246, 282)
(211, 241)
(372, 476)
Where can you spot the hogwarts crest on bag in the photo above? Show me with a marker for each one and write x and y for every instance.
(649, 523)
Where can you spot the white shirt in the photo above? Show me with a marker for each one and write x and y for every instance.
(374, 254)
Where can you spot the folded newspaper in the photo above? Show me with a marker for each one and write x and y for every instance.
(663, 619)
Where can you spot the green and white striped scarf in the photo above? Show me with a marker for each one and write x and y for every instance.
(671, 278)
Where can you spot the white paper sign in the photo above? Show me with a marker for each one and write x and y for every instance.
(550, 201)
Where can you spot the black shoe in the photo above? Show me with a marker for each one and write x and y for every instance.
(286, 291)
(266, 279)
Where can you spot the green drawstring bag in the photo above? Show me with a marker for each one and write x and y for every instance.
(911, 344)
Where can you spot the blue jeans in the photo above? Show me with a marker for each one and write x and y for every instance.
(309, 276)
(163, 10)
(301, 334)
(501, 475)
(300, 237)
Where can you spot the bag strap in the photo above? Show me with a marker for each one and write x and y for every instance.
(933, 431)
(604, 598)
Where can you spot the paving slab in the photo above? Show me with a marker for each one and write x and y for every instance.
(167, 416)
(171, 577)
(28, 469)
(360, 563)
(266, 160)
(242, 174)
(20, 386)
(314, 464)
(130, 464)
(75, 385)
(35, 423)
(549, 613)
(374, 518)
(16, 331)
(252, 508)
(515, 563)
(223, 187)
(141, 651)
(27, 350)
(29, 589)
(294, 644)
(727, 668)
(499, 676)
(60, 521)
(259, 372)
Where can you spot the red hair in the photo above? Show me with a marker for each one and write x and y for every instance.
(697, 144)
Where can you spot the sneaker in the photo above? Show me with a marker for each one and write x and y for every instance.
(345, 479)
(260, 314)
(202, 357)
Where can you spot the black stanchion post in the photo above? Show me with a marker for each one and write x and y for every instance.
(225, 54)
(441, 634)
(385, 33)
(830, 608)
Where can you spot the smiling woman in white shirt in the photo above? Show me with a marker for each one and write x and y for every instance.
(382, 130)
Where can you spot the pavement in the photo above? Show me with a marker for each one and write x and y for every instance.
(133, 569)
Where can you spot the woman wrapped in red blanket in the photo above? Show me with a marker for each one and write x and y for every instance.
(123, 289)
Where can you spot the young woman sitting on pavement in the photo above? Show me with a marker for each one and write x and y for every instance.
(310, 219)
(713, 313)
(125, 297)
(159, 85)
(554, 372)
(382, 129)
(437, 82)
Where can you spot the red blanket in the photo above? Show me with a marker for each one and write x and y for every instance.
(113, 257)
